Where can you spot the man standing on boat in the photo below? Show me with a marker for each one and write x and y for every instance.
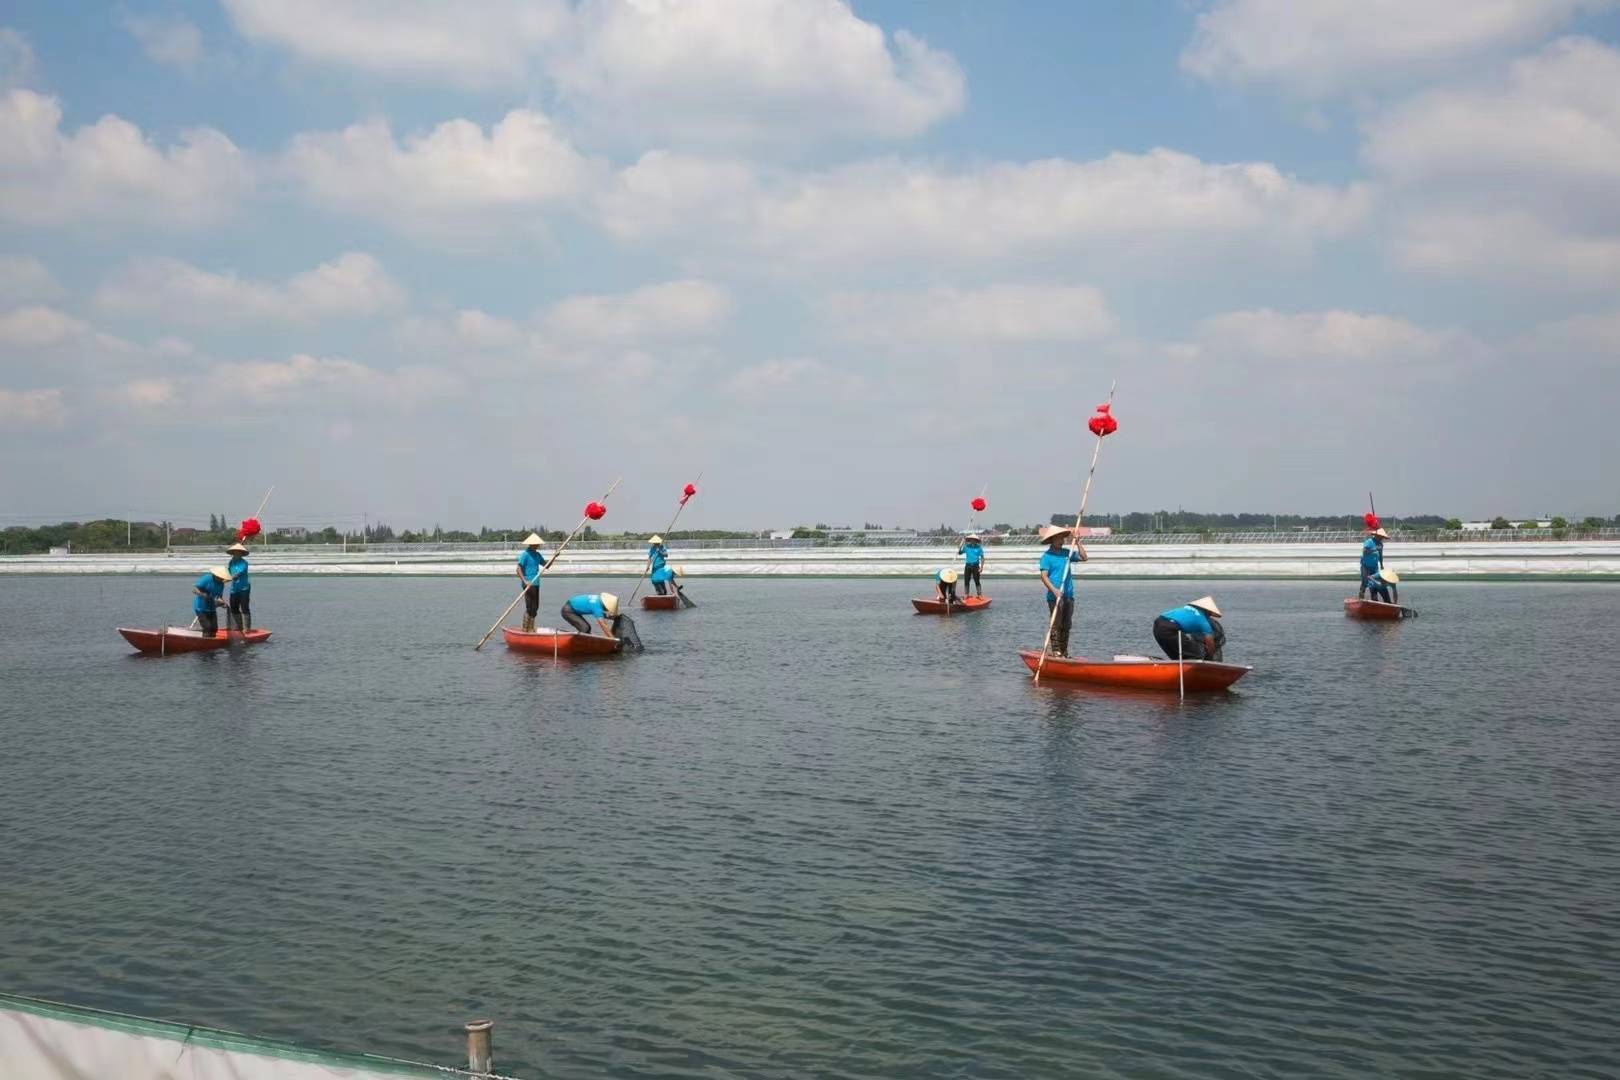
(1192, 631)
(972, 552)
(240, 616)
(1372, 558)
(1057, 576)
(208, 593)
(593, 605)
(529, 564)
(658, 564)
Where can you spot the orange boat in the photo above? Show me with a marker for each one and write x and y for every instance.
(559, 642)
(179, 640)
(1376, 609)
(927, 605)
(1137, 672)
(654, 602)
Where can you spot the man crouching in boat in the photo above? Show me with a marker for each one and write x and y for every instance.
(1382, 586)
(945, 587)
(1191, 632)
(240, 616)
(208, 593)
(1057, 575)
(529, 564)
(593, 605)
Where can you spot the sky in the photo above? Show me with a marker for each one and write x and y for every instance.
(463, 264)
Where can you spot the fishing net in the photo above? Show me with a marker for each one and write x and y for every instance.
(624, 628)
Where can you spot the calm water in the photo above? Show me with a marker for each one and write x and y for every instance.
(810, 834)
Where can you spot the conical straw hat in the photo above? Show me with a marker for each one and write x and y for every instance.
(1390, 576)
(948, 576)
(610, 603)
(1206, 604)
(221, 572)
(237, 548)
(532, 540)
(655, 539)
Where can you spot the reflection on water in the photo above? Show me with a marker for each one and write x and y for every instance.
(811, 833)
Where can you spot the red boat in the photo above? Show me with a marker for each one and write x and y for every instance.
(559, 642)
(1138, 672)
(180, 640)
(1376, 609)
(654, 602)
(930, 606)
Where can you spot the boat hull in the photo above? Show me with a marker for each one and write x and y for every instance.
(559, 642)
(1144, 674)
(172, 640)
(1376, 610)
(655, 602)
(930, 606)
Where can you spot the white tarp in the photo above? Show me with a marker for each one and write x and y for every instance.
(48, 1041)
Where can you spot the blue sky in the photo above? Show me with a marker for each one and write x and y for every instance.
(467, 264)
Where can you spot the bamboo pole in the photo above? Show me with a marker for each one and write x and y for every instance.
(667, 529)
(583, 521)
(1073, 545)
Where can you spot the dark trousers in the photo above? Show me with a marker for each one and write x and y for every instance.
(947, 591)
(1060, 625)
(575, 619)
(241, 616)
(970, 578)
(1165, 632)
(531, 600)
(660, 588)
(208, 622)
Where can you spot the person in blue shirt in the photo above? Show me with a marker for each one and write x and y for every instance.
(590, 605)
(1057, 577)
(1192, 631)
(658, 564)
(945, 587)
(972, 551)
(208, 593)
(529, 564)
(1382, 586)
(1372, 558)
(240, 616)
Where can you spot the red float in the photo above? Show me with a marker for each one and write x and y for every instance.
(1103, 423)
(595, 511)
(979, 505)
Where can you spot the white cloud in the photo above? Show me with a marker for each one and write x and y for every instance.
(16, 59)
(675, 309)
(175, 42)
(1593, 335)
(894, 210)
(474, 43)
(38, 327)
(1508, 246)
(994, 314)
(791, 376)
(23, 277)
(109, 170)
(1331, 337)
(332, 380)
(33, 407)
(778, 71)
(453, 173)
(354, 284)
(1321, 47)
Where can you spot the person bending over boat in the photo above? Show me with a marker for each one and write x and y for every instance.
(1057, 576)
(1382, 586)
(945, 587)
(972, 552)
(240, 616)
(1372, 558)
(208, 593)
(658, 563)
(592, 605)
(529, 564)
(1191, 632)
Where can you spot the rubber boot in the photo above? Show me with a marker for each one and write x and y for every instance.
(528, 624)
(247, 624)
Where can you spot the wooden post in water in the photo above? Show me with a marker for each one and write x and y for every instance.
(480, 1054)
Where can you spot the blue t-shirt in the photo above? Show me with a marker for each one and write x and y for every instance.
(239, 575)
(1191, 620)
(662, 574)
(657, 553)
(215, 588)
(588, 605)
(531, 563)
(972, 554)
(1053, 565)
(1371, 557)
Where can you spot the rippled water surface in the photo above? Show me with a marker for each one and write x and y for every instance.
(808, 833)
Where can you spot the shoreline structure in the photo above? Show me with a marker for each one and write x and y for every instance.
(1583, 560)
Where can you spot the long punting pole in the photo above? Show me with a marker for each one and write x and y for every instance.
(667, 529)
(1074, 543)
(570, 539)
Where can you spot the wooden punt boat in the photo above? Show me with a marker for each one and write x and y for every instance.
(928, 605)
(1376, 609)
(654, 602)
(175, 639)
(1137, 672)
(551, 642)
